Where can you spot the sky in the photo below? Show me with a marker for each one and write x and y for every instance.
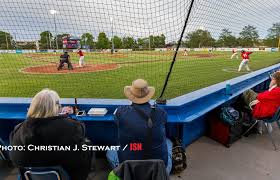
(25, 19)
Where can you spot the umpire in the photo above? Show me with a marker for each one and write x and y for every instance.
(65, 58)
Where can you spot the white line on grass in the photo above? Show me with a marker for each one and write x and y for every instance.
(235, 70)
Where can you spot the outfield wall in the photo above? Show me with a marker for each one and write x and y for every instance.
(269, 49)
(19, 51)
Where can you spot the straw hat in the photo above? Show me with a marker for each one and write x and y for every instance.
(139, 92)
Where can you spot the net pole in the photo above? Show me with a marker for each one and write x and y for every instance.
(160, 100)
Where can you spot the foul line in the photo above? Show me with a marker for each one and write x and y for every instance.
(235, 71)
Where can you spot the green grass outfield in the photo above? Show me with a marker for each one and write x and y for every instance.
(190, 73)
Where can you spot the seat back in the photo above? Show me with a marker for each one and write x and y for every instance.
(43, 173)
(276, 117)
(140, 170)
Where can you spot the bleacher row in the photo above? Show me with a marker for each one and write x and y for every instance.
(187, 115)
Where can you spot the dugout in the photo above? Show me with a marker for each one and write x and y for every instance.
(186, 114)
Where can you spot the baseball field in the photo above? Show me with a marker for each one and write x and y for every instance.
(105, 74)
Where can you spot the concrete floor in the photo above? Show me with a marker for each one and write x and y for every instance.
(250, 158)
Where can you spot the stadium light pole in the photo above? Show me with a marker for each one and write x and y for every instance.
(7, 41)
(50, 40)
(112, 38)
(54, 12)
(279, 43)
(11, 41)
(15, 42)
(86, 42)
(150, 35)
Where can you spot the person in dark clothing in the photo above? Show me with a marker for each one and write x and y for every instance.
(65, 58)
(45, 129)
(133, 127)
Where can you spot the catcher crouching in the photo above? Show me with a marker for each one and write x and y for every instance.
(65, 58)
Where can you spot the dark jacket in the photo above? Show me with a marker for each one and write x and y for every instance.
(64, 57)
(132, 128)
(55, 131)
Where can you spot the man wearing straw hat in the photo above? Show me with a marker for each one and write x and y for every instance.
(141, 123)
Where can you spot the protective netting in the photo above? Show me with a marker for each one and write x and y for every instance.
(125, 40)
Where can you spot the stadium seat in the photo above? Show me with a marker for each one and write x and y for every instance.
(152, 169)
(275, 118)
(43, 173)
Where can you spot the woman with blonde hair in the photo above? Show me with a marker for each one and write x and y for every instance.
(46, 136)
(44, 104)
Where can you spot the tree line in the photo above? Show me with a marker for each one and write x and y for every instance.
(103, 42)
(248, 37)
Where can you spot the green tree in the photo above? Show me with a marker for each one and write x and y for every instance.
(155, 41)
(29, 45)
(102, 42)
(150, 41)
(199, 38)
(87, 39)
(143, 43)
(159, 41)
(46, 40)
(117, 42)
(273, 35)
(6, 40)
(129, 43)
(226, 39)
(249, 36)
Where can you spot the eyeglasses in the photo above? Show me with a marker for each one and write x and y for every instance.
(271, 75)
(59, 106)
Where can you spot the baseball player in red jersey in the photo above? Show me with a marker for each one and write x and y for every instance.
(185, 52)
(82, 57)
(245, 60)
(234, 53)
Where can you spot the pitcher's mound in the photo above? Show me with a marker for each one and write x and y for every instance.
(52, 68)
